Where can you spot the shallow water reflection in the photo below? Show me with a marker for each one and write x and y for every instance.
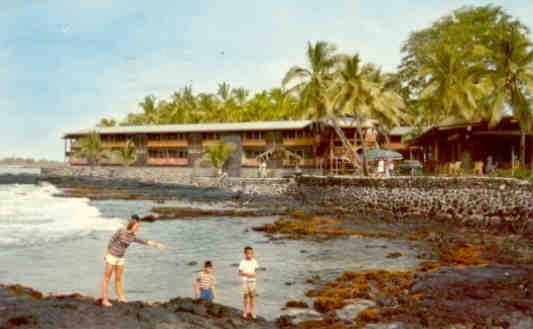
(76, 264)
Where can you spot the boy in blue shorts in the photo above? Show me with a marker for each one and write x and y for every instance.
(205, 283)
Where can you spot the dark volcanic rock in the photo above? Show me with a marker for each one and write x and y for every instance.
(450, 279)
(475, 295)
(180, 212)
(19, 179)
(25, 308)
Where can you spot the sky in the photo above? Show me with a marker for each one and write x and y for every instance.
(66, 64)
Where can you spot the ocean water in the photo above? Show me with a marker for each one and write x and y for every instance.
(56, 245)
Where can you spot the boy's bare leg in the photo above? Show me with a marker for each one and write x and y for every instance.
(246, 308)
(251, 301)
(196, 289)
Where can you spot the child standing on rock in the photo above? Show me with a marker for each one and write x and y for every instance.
(248, 269)
(205, 283)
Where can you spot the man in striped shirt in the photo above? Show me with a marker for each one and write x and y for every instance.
(114, 257)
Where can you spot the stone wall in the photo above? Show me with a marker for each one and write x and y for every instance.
(495, 202)
(163, 175)
(421, 182)
(168, 176)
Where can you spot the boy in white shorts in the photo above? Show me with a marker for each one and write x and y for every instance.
(248, 269)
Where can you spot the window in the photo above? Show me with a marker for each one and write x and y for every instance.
(395, 139)
(252, 154)
(175, 154)
(210, 136)
(288, 134)
(305, 153)
(253, 135)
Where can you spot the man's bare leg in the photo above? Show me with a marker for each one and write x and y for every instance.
(108, 272)
(118, 283)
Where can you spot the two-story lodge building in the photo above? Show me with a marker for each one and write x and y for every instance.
(304, 143)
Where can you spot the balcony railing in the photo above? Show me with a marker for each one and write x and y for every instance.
(254, 142)
(250, 163)
(105, 144)
(168, 161)
(168, 143)
(301, 163)
(77, 161)
(301, 141)
(111, 144)
(206, 142)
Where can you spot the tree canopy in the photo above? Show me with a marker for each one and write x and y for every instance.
(475, 63)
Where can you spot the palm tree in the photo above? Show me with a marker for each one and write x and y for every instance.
(218, 155)
(107, 122)
(134, 119)
(240, 95)
(224, 91)
(314, 89)
(150, 109)
(512, 76)
(450, 89)
(128, 154)
(283, 105)
(92, 149)
(364, 94)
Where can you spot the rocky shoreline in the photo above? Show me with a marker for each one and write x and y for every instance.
(466, 277)
(472, 235)
(22, 307)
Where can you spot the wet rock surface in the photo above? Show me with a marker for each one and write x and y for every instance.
(22, 307)
(19, 179)
(483, 296)
(166, 213)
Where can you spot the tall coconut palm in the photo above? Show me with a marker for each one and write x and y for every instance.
(92, 149)
(363, 94)
(283, 105)
(224, 91)
(107, 122)
(314, 89)
(149, 107)
(218, 155)
(240, 95)
(512, 75)
(451, 89)
(128, 154)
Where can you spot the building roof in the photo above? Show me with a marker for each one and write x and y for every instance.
(453, 124)
(351, 123)
(209, 127)
(196, 127)
(401, 130)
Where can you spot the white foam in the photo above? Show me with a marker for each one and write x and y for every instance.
(30, 214)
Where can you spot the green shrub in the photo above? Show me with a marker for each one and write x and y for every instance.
(519, 173)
